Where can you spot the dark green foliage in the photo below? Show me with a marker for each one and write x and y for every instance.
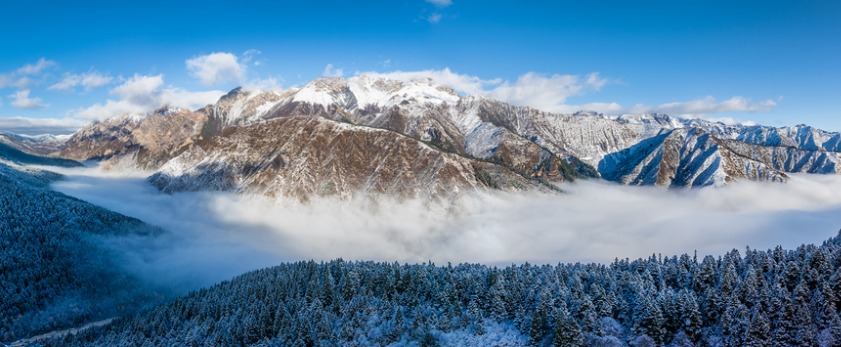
(573, 168)
(53, 272)
(568, 333)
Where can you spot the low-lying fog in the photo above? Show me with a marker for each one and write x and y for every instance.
(215, 236)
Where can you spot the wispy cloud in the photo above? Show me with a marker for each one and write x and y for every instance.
(434, 18)
(707, 108)
(87, 81)
(217, 68)
(250, 57)
(552, 92)
(461, 82)
(709, 104)
(439, 9)
(440, 3)
(5, 80)
(36, 68)
(40, 126)
(23, 83)
(265, 84)
(144, 93)
(21, 78)
(530, 89)
(21, 99)
(545, 92)
(330, 71)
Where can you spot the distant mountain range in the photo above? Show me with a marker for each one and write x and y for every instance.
(340, 137)
(413, 140)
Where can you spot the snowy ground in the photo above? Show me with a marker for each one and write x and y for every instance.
(59, 333)
(218, 235)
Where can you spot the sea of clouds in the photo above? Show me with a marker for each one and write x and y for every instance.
(214, 236)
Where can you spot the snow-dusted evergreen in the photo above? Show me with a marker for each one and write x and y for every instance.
(54, 271)
(11, 154)
(416, 139)
(759, 298)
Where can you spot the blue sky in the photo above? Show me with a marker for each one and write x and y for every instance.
(772, 62)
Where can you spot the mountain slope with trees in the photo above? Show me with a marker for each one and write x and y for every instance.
(760, 298)
(55, 271)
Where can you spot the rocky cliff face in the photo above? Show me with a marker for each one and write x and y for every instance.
(304, 157)
(146, 141)
(410, 131)
(684, 158)
(34, 145)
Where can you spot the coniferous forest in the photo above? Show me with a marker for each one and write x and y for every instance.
(55, 271)
(757, 298)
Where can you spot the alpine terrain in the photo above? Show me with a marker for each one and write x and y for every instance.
(416, 138)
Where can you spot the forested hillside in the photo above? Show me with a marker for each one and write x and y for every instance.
(760, 298)
(54, 271)
(15, 155)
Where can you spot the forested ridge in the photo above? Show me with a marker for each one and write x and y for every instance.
(760, 298)
(54, 271)
(20, 157)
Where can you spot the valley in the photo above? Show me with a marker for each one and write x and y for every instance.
(378, 170)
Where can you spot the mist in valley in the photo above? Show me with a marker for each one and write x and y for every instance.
(214, 236)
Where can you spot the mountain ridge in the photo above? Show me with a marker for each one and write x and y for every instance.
(532, 143)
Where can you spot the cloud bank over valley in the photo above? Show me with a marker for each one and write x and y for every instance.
(215, 236)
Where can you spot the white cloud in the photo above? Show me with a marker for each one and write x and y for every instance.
(87, 81)
(40, 126)
(217, 235)
(709, 105)
(531, 89)
(143, 93)
(5, 80)
(266, 84)
(464, 83)
(23, 83)
(36, 68)
(434, 18)
(249, 57)
(21, 99)
(109, 109)
(595, 81)
(217, 68)
(550, 93)
(330, 71)
(698, 108)
(20, 78)
(544, 92)
(440, 3)
(188, 99)
(140, 89)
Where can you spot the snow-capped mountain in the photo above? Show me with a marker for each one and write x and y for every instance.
(337, 136)
(685, 157)
(144, 141)
(311, 156)
(37, 145)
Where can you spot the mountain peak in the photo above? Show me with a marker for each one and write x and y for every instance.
(326, 91)
(232, 94)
